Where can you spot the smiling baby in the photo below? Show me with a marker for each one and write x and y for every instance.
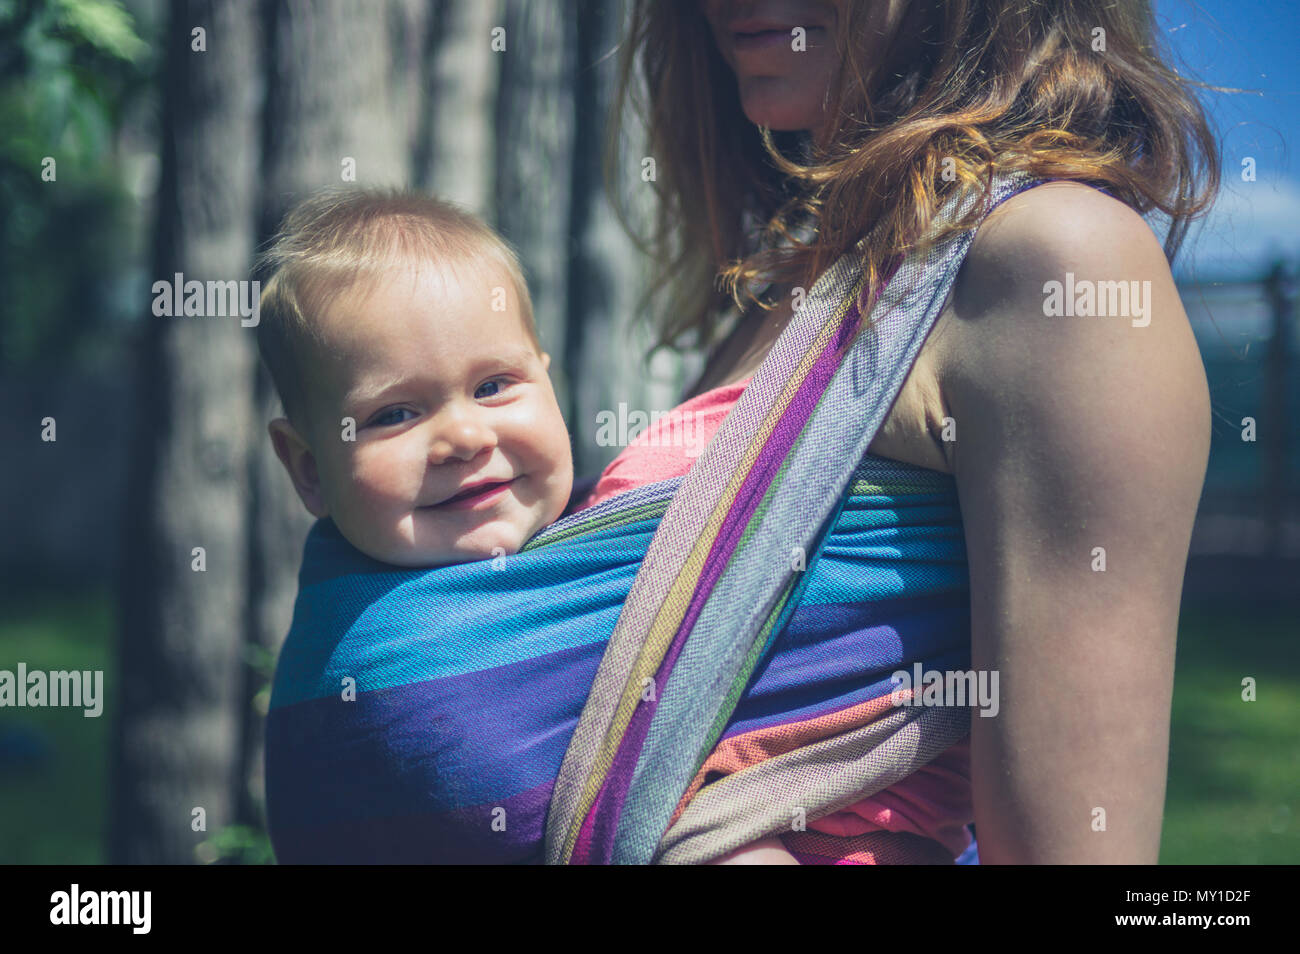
(420, 416)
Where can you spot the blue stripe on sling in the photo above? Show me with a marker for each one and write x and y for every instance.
(469, 680)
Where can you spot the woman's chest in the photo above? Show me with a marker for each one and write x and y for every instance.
(917, 430)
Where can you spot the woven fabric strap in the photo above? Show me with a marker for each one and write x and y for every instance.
(725, 570)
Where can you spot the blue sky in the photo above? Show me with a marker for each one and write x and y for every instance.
(1250, 45)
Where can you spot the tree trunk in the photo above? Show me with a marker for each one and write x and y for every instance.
(453, 154)
(176, 734)
(604, 347)
(535, 132)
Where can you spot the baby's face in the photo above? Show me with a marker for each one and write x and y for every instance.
(447, 394)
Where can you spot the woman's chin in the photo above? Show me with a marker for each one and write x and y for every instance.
(779, 113)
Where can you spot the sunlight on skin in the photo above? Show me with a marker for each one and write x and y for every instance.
(767, 851)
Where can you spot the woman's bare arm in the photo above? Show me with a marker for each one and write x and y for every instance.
(1079, 440)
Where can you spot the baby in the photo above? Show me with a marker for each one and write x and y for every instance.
(420, 416)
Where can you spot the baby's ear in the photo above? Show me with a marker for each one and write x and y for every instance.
(546, 361)
(296, 456)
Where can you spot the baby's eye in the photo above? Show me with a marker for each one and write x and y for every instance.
(391, 416)
(496, 384)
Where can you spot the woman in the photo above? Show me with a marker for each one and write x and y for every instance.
(1074, 438)
(1078, 443)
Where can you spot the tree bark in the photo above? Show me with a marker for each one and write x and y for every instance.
(453, 154)
(604, 346)
(176, 734)
(535, 133)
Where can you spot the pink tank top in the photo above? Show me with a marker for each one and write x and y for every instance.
(934, 801)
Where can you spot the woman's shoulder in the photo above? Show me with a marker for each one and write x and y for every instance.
(1065, 314)
(1053, 227)
(1059, 216)
(1059, 273)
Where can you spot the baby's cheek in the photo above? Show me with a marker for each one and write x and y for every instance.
(560, 454)
(561, 451)
(545, 423)
(381, 480)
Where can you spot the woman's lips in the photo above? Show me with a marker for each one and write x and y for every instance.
(480, 498)
(764, 40)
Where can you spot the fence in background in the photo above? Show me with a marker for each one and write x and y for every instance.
(1247, 537)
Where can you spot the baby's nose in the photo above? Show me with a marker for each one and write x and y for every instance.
(461, 440)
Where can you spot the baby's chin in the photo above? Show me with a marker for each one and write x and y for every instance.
(426, 548)
(424, 538)
(429, 557)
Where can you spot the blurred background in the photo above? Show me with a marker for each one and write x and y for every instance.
(143, 138)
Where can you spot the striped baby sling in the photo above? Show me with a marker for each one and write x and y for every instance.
(724, 572)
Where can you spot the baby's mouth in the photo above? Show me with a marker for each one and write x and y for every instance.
(478, 494)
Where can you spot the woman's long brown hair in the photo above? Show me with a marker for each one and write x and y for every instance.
(968, 88)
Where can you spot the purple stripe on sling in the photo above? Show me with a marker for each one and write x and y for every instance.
(602, 819)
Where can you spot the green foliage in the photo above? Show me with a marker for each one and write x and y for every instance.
(262, 661)
(69, 69)
(237, 845)
(53, 808)
(66, 67)
(102, 24)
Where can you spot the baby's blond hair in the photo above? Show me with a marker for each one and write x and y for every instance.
(339, 236)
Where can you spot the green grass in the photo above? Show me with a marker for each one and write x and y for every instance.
(1234, 768)
(56, 811)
